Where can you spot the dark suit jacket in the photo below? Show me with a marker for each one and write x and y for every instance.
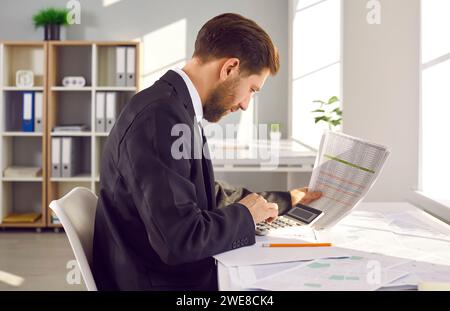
(159, 220)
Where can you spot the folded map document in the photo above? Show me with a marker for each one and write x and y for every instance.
(346, 168)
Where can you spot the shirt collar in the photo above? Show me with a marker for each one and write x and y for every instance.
(195, 97)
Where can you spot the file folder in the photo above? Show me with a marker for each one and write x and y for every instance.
(70, 149)
(131, 56)
(38, 106)
(56, 157)
(111, 110)
(100, 120)
(28, 112)
(120, 66)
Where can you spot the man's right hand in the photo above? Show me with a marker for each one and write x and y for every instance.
(259, 208)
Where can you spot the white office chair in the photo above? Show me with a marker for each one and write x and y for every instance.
(76, 211)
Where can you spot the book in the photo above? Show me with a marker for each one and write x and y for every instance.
(22, 171)
(21, 218)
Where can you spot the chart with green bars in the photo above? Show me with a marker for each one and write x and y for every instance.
(355, 273)
(346, 168)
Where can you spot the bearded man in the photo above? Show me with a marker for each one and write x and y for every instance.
(160, 217)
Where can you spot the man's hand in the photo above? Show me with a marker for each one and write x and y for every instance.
(259, 208)
(303, 196)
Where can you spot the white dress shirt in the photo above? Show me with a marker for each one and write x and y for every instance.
(195, 97)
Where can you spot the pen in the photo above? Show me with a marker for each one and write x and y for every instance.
(296, 244)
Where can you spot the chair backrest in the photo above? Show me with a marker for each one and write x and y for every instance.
(76, 212)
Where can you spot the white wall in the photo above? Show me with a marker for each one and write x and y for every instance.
(381, 83)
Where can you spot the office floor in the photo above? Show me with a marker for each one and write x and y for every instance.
(39, 258)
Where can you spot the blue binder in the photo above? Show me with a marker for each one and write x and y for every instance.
(28, 112)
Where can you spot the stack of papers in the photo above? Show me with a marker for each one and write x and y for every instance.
(258, 255)
(420, 272)
(358, 271)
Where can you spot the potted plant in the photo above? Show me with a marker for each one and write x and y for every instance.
(51, 19)
(275, 133)
(329, 112)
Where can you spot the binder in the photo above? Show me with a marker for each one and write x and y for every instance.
(28, 112)
(100, 120)
(38, 106)
(70, 148)
(120, 66)
(111, 110)
(56, 157)
(131, 56)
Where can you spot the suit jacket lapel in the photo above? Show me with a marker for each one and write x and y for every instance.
(206, 168)
(209, 177)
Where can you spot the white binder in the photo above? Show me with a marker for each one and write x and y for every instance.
(131, 63)
(56, 157)
(111, 110)
(100, 120)
(38, 112)
(120, 66)
(70, 150)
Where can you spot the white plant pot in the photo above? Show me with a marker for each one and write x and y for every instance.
(275, 135)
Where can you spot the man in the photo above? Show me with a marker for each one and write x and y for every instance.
(160, 217)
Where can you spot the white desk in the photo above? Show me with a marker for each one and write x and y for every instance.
(347, 232)
(231, 156)
(243, 164)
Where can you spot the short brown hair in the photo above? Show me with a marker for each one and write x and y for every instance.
(232, 35)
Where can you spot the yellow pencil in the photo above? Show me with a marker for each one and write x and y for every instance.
(296, 245)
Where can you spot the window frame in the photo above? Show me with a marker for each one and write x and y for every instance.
(437, 207)
(291, 15)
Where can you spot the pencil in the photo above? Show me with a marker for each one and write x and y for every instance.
(296, 245)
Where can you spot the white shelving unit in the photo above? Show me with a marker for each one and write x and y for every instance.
(51, 61)
(19, 194)
(96, 62)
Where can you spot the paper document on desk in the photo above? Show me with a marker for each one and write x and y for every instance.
(252, 274)
(419, 271)
(346, 168)
(356, 273)
(258, 255)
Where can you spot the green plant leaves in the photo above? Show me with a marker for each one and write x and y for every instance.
(332, 100)
(337, 111)
(275, 127)
(50, 16)
(335, 122)
(333, 117)
(321, 118)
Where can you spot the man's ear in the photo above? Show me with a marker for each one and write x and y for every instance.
(229, 68)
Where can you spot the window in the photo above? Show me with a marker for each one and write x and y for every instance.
(435, 106)
(316, 63)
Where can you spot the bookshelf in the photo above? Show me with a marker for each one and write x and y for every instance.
(96, 62)
(53, 60)
(18, 148)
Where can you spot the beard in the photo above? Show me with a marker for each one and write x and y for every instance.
(220, 100)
